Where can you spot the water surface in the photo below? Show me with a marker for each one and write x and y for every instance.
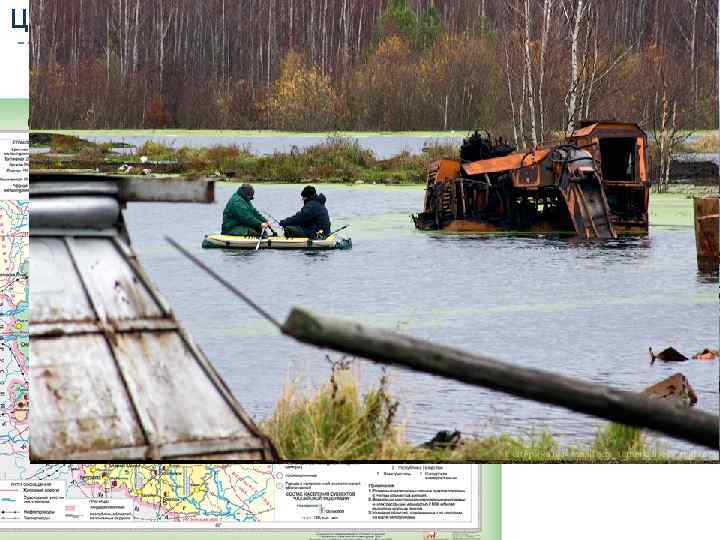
(584, 310)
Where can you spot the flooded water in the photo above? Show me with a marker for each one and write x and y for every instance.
(384, 146)
(584, 310)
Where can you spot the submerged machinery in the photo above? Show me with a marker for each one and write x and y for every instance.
(593, 185)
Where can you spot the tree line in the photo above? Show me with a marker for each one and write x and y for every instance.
(527, 68)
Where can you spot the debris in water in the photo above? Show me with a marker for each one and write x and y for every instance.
(444, 439)
(707, 246)
(668, 355)
(707, 354)
(676, 388)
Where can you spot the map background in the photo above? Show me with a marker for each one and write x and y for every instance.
(490, 517)
(80, 483)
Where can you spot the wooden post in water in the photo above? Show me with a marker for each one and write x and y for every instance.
(707, 238)
(598, 400)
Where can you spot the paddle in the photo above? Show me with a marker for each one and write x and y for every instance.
(337, 230)
(275, 220)
(268, 215)
(262, 232)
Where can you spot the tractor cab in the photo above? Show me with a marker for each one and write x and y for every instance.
(620, 153)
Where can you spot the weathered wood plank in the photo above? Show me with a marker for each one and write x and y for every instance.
(178, 403)
(129, 188)
(57, 293)
(707, 237)
(79, 402)
(140, 454)
(114, 288)
(170, 189)
(390, 348)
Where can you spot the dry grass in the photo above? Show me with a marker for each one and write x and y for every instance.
(705, 144)
(337, 422)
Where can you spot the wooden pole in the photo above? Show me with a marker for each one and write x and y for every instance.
(707, 240)
(390, 348)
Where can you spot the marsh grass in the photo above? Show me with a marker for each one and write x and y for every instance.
(211, 159)
(156, 151)
(439, 149)
(337, 159)
(90, 153)
(67, 144)
(703, 144)
(342, 159)
(338, 422)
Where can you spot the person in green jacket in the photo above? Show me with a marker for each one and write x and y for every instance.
(240, 217)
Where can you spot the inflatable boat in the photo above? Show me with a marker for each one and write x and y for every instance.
(274, 242)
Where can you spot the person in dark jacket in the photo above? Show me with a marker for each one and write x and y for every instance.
(240, 217)
(312, 221)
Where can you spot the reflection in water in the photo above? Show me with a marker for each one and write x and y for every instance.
(621, 243)
(707, 277)
(587, 310)
(629, 248)
(244, 253)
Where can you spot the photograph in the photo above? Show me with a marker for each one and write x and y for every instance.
(338, 231)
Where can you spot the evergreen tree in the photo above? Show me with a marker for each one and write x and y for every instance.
(418, 29)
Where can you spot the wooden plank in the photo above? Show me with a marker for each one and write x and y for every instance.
(57, 293)
(115, 289)
(79, 403)
(211, 446)
(707, 239)
(172, 393)
(617, 405)
(170, 189)
(85, 408)
(139, 454)
(129, 188)
(69, 328)
(234, 457)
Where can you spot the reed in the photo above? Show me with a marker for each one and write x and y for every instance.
(338, 422)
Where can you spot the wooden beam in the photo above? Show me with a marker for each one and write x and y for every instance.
(706, 233)
(62, 183)
(385, 347)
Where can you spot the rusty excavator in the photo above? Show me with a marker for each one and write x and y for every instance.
(594, 185)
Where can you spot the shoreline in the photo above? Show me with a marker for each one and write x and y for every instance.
(250, 133)
(336, 421)
(179, 132)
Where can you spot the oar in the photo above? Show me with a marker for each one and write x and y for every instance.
(257, 246)
(275, 220)
(268, 215)
(337, 230)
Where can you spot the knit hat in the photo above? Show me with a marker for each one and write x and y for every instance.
(308, 192)
(247, 191)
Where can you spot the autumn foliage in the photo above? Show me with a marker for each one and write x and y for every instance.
(302, 98)
(156, 116)
(525, 68)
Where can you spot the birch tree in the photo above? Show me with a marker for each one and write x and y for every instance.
(530, 94)
(522, 68)
(575, 12)
(547, 13)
